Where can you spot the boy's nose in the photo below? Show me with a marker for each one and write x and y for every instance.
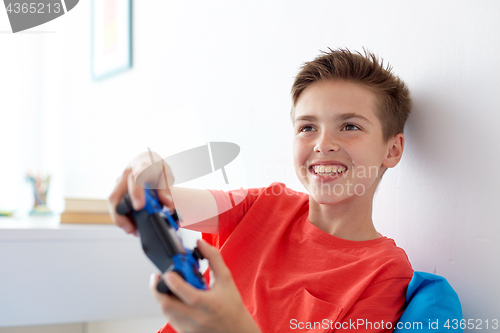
(326, 143)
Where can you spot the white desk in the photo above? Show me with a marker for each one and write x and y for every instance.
(52, 273)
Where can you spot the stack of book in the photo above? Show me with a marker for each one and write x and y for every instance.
(79, 210)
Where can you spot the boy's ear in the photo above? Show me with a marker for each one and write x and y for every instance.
(395, 148)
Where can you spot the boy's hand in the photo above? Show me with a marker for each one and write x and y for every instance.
(156, 176)
(219, 309)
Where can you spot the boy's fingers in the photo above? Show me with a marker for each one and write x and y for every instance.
(136, 193)
(186, 293)
(167, 173)
(166, 199)
(178, 314)
(124, 223)
(215, 261)
(168, 303)
(114, 198)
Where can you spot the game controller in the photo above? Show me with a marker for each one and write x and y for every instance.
(157, 228)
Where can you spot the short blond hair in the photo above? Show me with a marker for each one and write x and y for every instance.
(394, 101)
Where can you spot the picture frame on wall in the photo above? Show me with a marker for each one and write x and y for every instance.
(111, 27)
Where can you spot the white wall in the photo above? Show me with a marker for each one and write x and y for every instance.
(222, 71)
(20, 149)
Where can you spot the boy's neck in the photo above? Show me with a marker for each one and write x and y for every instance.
(349, 219)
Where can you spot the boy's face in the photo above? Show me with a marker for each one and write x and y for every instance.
(353, 142)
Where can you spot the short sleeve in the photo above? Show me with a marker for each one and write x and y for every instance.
(232, 207)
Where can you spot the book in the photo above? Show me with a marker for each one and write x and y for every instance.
(86, 218)
(86, 205)
(86, 211)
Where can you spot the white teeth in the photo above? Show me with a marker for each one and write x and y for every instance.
(321, 169)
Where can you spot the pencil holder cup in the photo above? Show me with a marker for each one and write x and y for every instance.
(40, 188)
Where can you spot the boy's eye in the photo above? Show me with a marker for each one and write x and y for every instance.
(309, 128)
(305, 127)
(347, 125)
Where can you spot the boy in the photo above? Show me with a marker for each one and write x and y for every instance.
(294, 261)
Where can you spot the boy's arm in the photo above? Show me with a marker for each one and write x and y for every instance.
(197, 208)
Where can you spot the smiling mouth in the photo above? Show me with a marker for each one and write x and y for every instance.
(322, 171)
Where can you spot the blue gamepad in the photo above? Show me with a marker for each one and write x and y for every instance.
(157, 228)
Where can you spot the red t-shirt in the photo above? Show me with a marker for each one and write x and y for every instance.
(293, 276)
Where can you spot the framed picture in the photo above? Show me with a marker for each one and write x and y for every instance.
(111, 37)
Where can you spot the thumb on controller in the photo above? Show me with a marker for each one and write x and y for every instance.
(166, 199)
(221, 272)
